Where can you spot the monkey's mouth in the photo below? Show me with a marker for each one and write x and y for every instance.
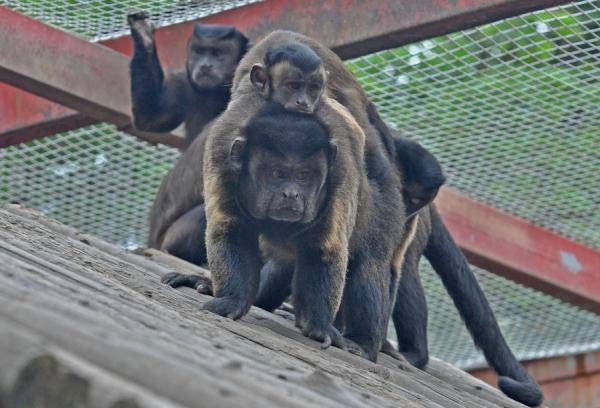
(206, 80)
(285, 214)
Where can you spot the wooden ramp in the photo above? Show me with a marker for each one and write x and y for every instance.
(84, 323)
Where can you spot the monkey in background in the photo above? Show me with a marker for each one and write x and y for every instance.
(193, 96)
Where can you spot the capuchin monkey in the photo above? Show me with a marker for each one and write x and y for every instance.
(291, 75)
(354, 246)
(193, 96)
(432, 237)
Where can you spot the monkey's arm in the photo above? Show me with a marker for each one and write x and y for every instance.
(156, 102)
(234, 259)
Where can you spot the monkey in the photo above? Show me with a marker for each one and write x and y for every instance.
(337, 251)
(291, 75)
(193, 96)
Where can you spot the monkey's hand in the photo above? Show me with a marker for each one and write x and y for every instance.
(228, 306)
(142, 31)
(201, 284)
(327, 335)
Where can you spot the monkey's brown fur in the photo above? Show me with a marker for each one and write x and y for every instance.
(362, 233)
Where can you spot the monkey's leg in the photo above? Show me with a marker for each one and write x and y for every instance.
(460, 282)
(316, 292)
(275, 285)
(410, 313)
(185, 237)
(234, 260)
(367, 304)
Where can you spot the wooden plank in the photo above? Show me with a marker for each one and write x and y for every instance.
(128, 306)
(36, 373)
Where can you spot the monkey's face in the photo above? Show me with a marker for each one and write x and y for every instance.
(284, 188)
(296, 90)
(211, 62)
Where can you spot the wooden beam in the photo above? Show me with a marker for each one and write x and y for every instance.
(520, 251)
(351, 27)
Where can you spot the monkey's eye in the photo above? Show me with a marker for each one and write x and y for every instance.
(302, 176)
(216, 52)
(278, 174)
(315, 87)
(294, 85)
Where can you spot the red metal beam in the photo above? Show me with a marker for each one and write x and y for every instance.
(518, 250)
(566, 381)
(88, 77)
(350, 27)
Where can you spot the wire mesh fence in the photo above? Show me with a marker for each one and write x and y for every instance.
(512, 109)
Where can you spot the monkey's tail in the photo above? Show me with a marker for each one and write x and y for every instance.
(460, 282)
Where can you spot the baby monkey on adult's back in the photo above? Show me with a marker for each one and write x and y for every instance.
(291, 75)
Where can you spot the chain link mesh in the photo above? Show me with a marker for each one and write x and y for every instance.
(100, 20)
(511, 109)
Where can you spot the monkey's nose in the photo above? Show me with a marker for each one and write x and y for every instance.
(292, 194)
(302, 103)
(205, 68)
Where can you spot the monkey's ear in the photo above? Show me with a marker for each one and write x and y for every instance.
(259, 77)
(333, 149)
(236, 152)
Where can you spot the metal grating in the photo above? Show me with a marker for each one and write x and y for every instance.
(100, 20)
(512, 109)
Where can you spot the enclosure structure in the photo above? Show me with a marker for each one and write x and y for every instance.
(510, 104)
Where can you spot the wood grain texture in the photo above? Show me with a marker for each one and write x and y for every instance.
(100, 317)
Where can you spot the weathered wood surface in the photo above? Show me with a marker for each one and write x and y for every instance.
(84, 323)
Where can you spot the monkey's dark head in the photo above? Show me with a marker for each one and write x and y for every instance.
(214, 51)
(283, 164)
(422, 174)
(292, 75)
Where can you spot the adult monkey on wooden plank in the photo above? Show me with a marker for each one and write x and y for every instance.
(193, 96)
(352, 246)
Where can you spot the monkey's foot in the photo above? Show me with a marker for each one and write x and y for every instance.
(368, 351)
(141, 30)
(227, 307)
(201, 284)
(416, 359)
(387, 348)
(327, 336)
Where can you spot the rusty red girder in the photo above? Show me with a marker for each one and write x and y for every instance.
(520, 251)
(87, 77)
(350, 27)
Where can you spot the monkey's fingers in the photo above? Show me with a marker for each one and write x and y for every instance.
(176, 280)
(354, 348)
(337, 339)
(134, 15)
(227, 307)
(326, 342)
(205, 288)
